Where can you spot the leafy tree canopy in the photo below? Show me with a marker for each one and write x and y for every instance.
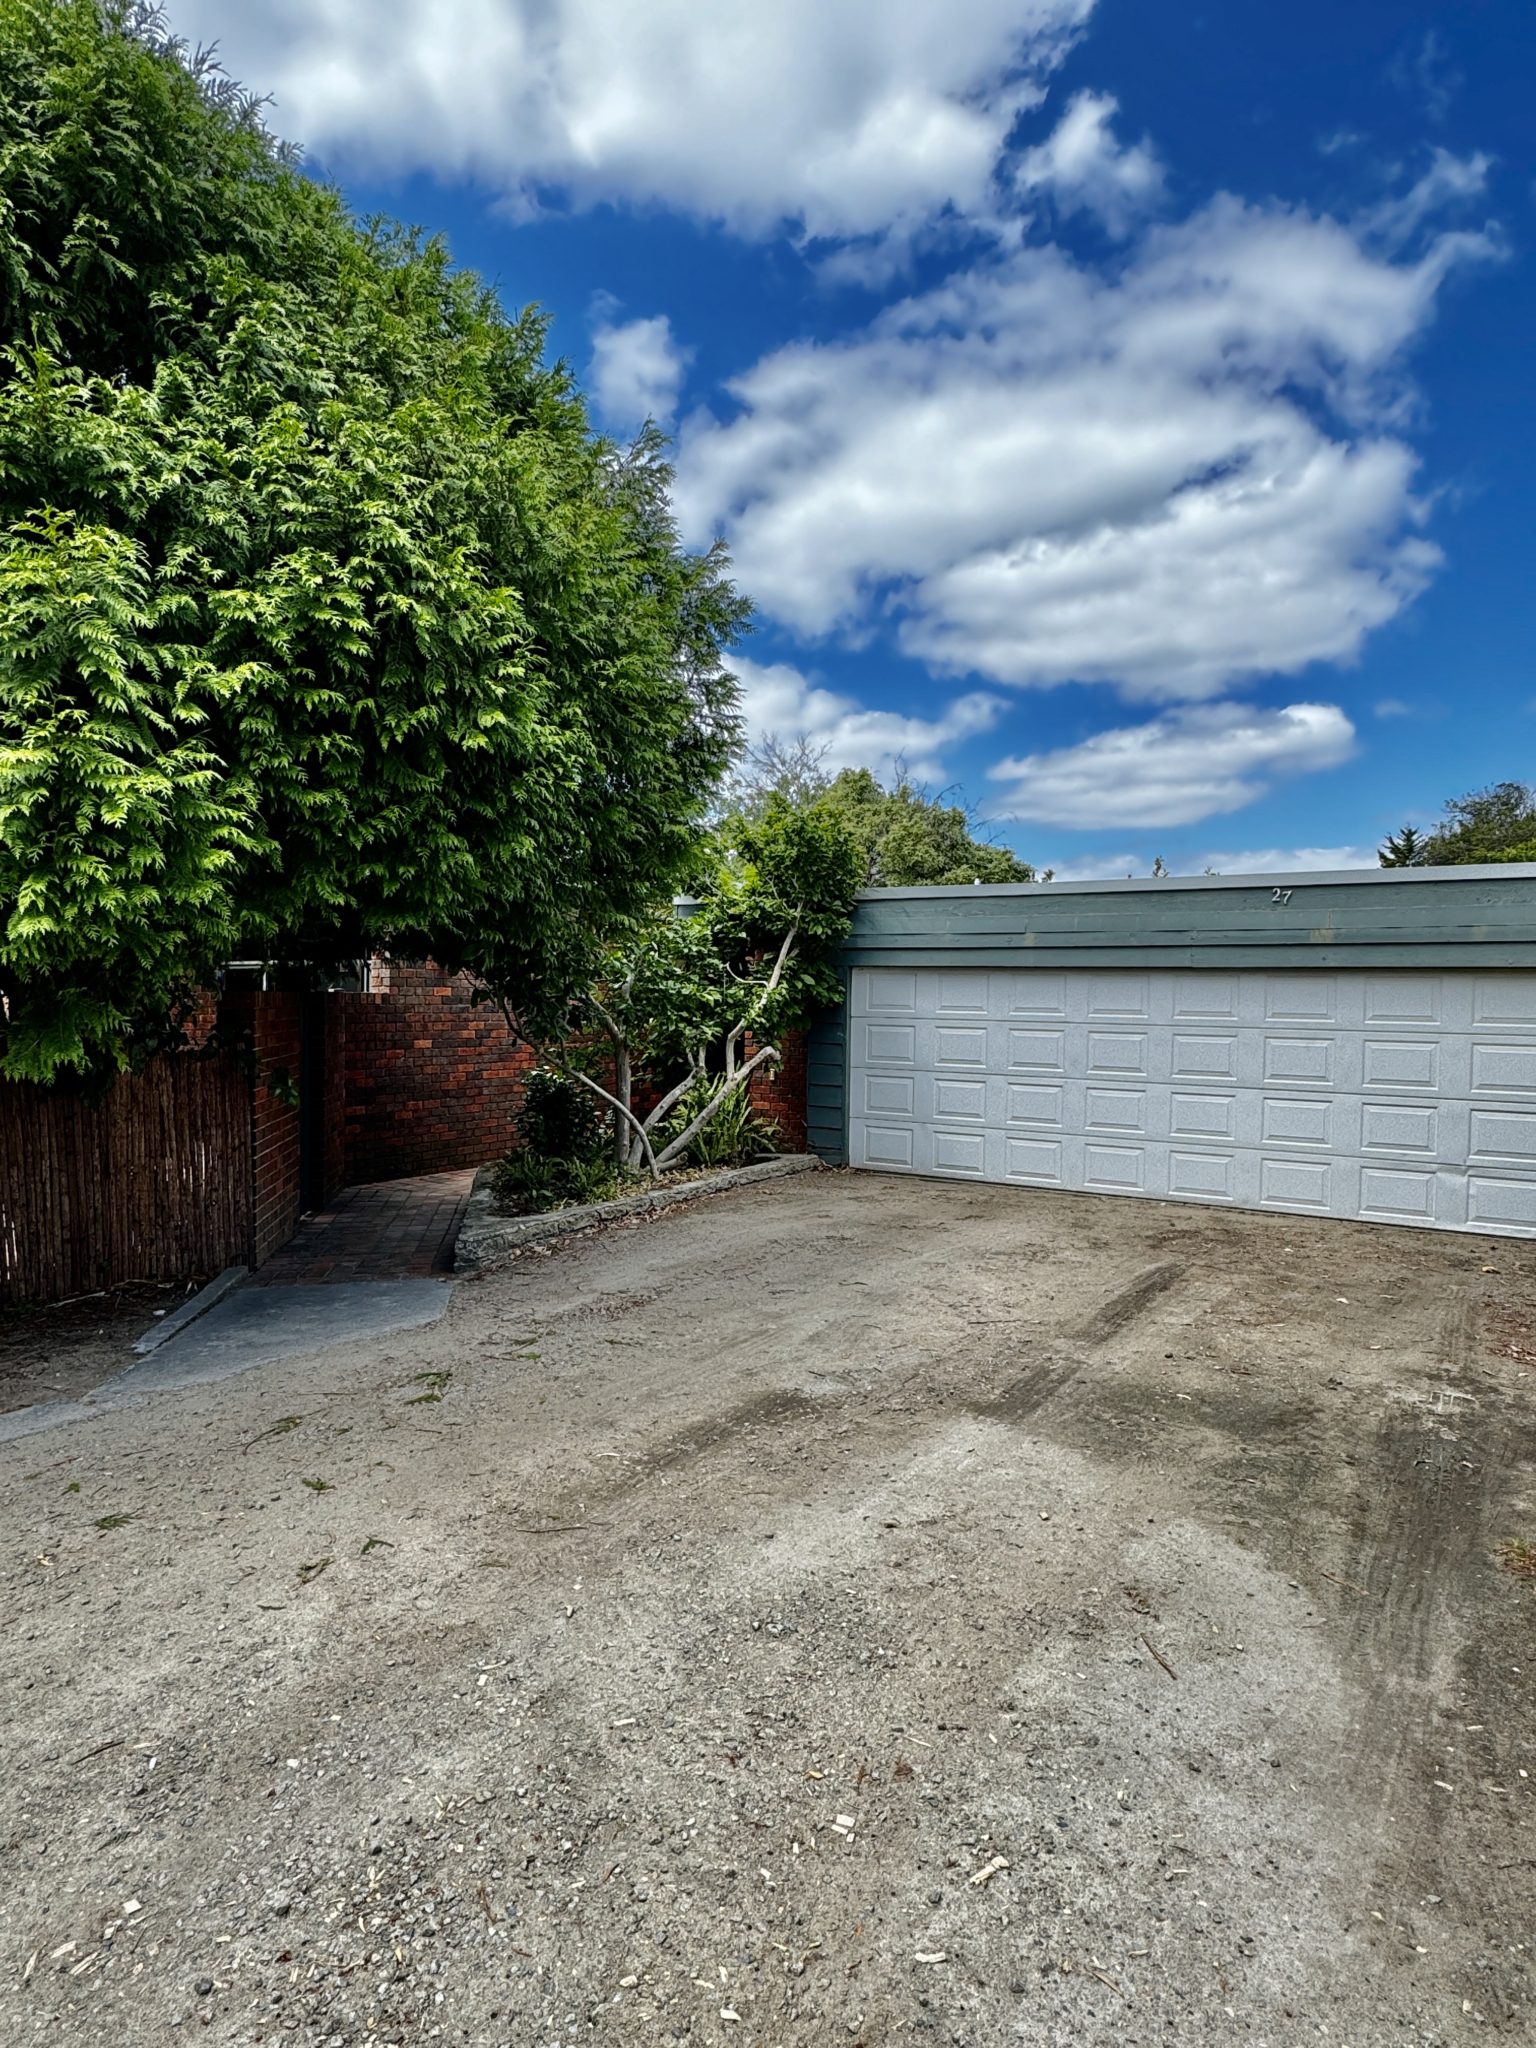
(910, 839)
(1493, 824)
(326, 621)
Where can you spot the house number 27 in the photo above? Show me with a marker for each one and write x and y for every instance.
(1279, 895)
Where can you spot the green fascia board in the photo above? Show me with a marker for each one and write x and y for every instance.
(1170, 953)
(1475, 916)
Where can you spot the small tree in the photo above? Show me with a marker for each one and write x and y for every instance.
(1405, 849)
(703, 997)
(1497, 823)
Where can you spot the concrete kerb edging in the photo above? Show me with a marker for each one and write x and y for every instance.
(486, 1239)
(199, 1305)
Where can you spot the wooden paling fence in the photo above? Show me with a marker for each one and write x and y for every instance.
(150, 1181)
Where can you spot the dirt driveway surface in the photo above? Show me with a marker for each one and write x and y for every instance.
(850, 1611)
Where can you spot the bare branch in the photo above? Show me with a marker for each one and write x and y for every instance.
(711, 1109)
(755, 1008)
(674, 1095)
(622, 1108)
(605, 1018)
(568, 1072)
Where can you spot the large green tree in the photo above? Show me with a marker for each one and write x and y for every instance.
(326, 620)
(1493, 824)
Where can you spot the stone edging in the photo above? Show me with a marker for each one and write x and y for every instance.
(487, 1240)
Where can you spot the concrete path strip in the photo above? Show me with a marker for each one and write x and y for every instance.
(205, 1299)
(250, 1327)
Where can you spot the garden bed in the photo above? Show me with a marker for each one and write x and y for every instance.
(488, 1238)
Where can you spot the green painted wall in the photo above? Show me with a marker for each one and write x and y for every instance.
(1427, 918)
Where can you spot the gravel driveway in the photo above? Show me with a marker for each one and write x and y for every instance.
(848, 1611)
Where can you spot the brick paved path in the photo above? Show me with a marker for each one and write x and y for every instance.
(385, 1230)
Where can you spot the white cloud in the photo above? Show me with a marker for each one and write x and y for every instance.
(1170, 476)
(1082, 166)
(808, 110)
(1427, 72)
(1095, 867)
(1288, 860)
(1189, 764)
(1449, 182)
(1270, 860)
(776, 698)
(637, 371)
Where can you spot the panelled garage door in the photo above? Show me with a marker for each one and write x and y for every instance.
(1395, 1097)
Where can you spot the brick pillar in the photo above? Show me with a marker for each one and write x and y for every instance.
(269, 1021)
(778, 1093)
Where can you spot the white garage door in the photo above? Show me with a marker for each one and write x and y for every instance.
(1400, 1098)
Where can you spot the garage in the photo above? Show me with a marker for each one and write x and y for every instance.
(1358, 1046)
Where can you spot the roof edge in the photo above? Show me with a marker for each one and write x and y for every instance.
(1483, 871)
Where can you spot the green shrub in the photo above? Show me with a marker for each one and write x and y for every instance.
(735, 1134)
(563, 1158)
(560, 1119)
(526, 1185)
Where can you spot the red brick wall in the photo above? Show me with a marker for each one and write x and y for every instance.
(204, 1015)
(432, 1081)
(779, 1093)
(417, 1080)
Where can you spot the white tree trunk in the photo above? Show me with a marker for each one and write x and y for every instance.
(706, 1116)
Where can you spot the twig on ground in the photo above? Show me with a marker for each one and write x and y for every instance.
(116, 1743)
(1157, 1653)
(1110, 1980)
(279, 1428)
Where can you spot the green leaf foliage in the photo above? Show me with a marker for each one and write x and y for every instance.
(326, 621)
(915, 841)
(1493, 824)
(735, 1136)
(910, 839)
(789, 871)
(1403, 849)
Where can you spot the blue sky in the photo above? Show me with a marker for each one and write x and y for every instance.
(1118, 409)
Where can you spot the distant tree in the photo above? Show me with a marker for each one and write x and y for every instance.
(1403, 849)
(1493, 824)
(326, 621)
(911, 838)
(774, 766)
(1497, 823)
